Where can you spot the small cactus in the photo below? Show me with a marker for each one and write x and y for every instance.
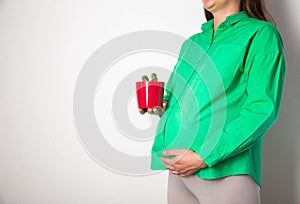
(145, 78)
(154, 77)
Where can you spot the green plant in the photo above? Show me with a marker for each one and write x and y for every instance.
(145, 78)
(153, 77)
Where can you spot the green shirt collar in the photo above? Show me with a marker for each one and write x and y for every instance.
(230, 20)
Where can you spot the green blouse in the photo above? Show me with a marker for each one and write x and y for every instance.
(223, 95)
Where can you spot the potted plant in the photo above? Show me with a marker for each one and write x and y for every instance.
(150, 93)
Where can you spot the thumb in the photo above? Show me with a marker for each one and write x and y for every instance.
(171, 152)
(165, 104)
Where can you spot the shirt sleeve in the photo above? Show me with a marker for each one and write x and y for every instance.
(265, 79)
(169, 85)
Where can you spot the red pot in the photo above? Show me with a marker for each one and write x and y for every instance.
(150, 94)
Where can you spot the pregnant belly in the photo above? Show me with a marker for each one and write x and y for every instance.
(183, 130)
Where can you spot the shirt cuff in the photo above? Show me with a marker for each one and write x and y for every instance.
(208, 160)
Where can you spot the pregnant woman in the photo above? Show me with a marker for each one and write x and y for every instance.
(222, 96)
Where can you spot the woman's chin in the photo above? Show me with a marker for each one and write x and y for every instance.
(209, 6)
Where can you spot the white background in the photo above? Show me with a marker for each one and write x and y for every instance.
(43, 46)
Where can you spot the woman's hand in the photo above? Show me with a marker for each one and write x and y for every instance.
(185, 162)
(157, 111)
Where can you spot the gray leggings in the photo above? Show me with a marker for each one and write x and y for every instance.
(239, 189)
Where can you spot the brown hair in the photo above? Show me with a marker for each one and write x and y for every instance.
(254, 8)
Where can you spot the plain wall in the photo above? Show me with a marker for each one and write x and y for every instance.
(44, 45)
(281, 166)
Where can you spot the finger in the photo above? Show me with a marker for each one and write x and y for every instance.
(173, 152)
(165, 104)
(170, 168)
(161, 111)
(157, 110)
(181, 173)
(150, 111)
(187, 173)
(142, 111)
(174, 172)
(167, 162)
